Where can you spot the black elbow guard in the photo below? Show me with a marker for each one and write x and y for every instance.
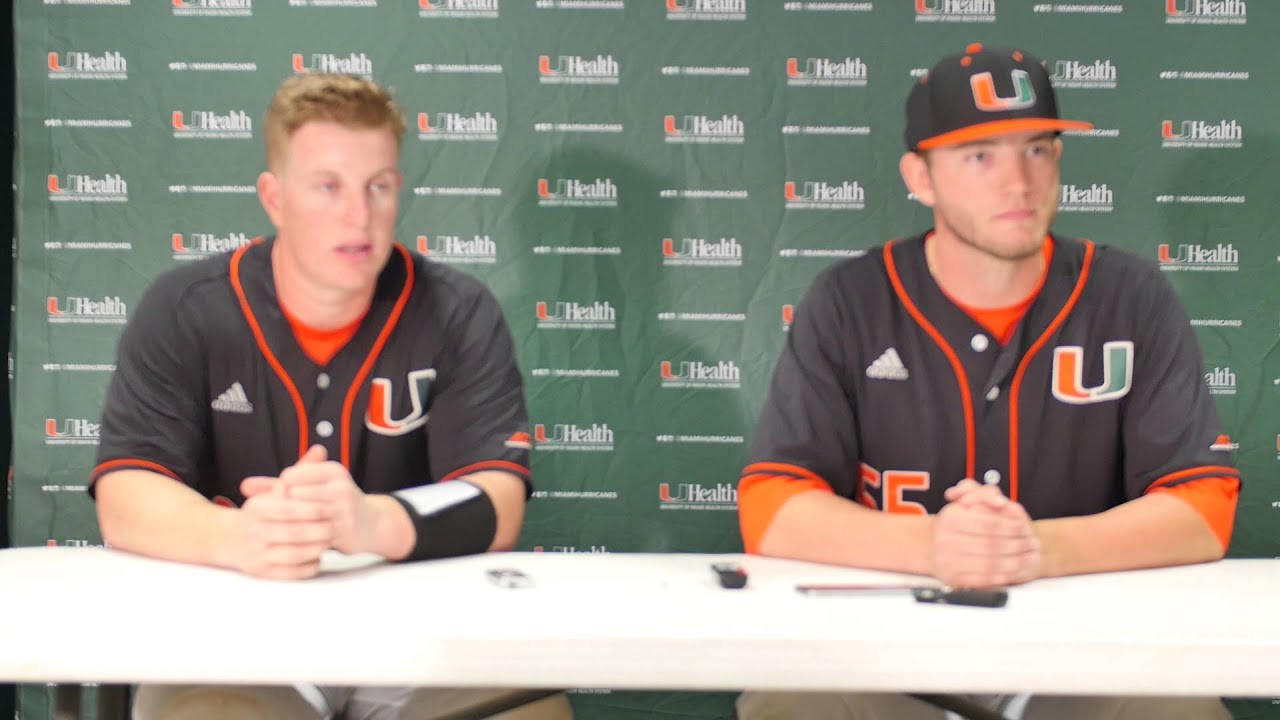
(450, 518)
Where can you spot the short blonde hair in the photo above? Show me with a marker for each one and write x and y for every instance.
(349, 101)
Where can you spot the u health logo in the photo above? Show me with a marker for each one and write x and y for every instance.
(956, 11)
(1206, 12)
(75, 65)
(458, 9)
(571, 192)
(456, 249)
(210, 125)
(707, 10)
(452, 126)
(353, 64)
(579, 70)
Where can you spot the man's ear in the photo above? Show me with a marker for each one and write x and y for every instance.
(915, 173)
(269, 196)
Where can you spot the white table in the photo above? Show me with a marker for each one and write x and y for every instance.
(631, 621)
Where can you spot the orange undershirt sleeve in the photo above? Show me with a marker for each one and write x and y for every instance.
(761, 495)
(1214, 498)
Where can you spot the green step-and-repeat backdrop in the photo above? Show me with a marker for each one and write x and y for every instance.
(649, 186)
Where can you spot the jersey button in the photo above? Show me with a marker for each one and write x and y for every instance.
(322, 380)
(324, 428)
(992, 394)
(979, 342)
(991, 477)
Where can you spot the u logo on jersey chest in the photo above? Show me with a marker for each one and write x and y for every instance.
(1117, 373)
(378, 417)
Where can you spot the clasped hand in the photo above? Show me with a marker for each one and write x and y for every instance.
(287, 522)
(983, 539)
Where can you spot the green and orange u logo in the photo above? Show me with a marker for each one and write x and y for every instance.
(985, 97)
(1117, 373)
(378, 415)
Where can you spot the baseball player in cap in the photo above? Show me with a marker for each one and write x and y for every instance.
(988, 402)
(322, 389)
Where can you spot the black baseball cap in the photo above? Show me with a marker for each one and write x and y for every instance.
(980, 93)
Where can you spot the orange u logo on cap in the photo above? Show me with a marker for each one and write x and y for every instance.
(985, 97)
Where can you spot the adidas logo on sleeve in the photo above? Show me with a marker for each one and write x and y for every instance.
(233, 401)
(888, 367)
